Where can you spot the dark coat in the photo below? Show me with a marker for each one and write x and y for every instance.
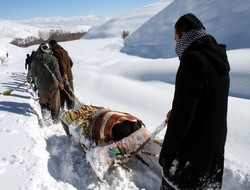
(64, 60)
(44, 78)
(192, 154)
(28, 62)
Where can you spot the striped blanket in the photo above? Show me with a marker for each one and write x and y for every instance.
(97, 122)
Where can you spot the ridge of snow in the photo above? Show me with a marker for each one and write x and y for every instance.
(137, 17)
(225, 19)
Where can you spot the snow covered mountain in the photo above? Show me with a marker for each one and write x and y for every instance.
(136, 18)
(13, 29)
(72, 24)
(225, 19)
(31, 27)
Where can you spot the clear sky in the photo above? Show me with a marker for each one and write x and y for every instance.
(25, 9)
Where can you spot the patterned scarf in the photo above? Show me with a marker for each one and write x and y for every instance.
(187, 39)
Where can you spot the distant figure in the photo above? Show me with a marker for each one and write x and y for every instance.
(65, 65)
(27, 62)
(49, 82)
(192, 154)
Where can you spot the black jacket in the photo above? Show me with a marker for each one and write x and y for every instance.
(193, 149)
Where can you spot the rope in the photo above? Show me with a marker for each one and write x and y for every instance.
(70, 97)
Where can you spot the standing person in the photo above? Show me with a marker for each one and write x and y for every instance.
(29, 59)
(65, 65)
(28, 62)
(46, 70)
(192, 154)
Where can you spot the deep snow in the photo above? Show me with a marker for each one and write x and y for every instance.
(45, 158)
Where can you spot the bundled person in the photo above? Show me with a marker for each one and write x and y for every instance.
(28, 63)
(48, 80)
(192, 154)
(100, 124)
(65, 65)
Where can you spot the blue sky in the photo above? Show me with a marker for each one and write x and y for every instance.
(25, 9)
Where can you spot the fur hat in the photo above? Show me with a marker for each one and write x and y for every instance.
(52, 42)
(44, 48)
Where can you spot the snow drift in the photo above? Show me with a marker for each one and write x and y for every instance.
(225, 19)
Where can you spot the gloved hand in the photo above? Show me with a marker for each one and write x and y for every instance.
(29, 80)
(61, 86)
(65, 77)
(29, 77)
(168, 116)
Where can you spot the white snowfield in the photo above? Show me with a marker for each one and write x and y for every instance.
(34, 158)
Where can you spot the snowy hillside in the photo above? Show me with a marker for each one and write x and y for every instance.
(72, 24)
(137, 17)
(225, 19)
(45, 158)
(13, 29)
(34, 158)
(24, 28)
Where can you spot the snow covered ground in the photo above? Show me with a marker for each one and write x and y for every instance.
(45, 158)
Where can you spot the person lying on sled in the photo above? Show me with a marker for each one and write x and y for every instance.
(108, 137)
(101, 124)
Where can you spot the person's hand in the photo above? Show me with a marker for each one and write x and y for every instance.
(29, 80)
(168, 116)
(65, 77)
(61, 86)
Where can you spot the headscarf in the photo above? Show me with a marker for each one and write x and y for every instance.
(187, 39)
(44, 48)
